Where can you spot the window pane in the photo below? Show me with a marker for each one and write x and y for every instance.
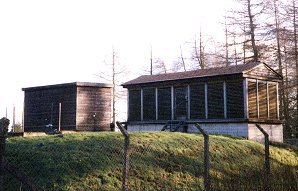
(149, 104)
(164, 104)
(263, 109)
(134, 105)
(252, 99)
(197, 101)
(215, 100)
(235, 102)
(272, 101)
(181, 101)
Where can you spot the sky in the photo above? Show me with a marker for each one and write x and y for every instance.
(45, 42)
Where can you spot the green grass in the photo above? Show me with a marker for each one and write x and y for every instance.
(158, 161)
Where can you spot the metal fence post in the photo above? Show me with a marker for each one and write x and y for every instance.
(4, 123)
(267, 162)
(206, 158)
(125, 155)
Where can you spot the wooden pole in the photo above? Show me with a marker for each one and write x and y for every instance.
(4, 123)
(125, 155)
(267, 160)
(206, 158)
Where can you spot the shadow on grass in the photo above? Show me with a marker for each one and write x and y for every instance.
(158, 161)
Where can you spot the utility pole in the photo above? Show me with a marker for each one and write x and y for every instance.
(13, 118)
(114, 88)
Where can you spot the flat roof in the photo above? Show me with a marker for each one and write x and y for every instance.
(77, 84)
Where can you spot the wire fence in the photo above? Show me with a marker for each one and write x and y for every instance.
(188, 164)
(156, 161)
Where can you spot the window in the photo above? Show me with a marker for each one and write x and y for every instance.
(215, 100)
(252, 99)
(235, 103)
(149, 110)
(197, 101)
(272, 101)
(262, 94)
(164, 104)
(181, 103)
(134, 107)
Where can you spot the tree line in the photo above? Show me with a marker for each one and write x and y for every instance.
(255, 30)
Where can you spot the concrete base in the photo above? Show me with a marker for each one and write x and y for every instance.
(144, 127)
(247, 130)
(275, 132)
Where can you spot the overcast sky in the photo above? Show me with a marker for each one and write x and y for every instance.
(58, 41)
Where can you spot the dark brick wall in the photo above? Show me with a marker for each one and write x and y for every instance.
(90, 101)
(42, 108)
(78, 105)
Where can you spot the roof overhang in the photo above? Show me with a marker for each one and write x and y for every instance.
(75, 84)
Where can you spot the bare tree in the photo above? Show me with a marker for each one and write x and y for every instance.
(182, 59)
(180, 63)
(160, 66)
(226, 45)
(199, 55)
(295, 12)
(115, 74)
(245, 27)
(252, 27)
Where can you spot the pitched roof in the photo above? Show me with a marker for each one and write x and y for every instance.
(237, 69)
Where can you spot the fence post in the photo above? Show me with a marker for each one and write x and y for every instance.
(125, 155)
(206, 158)
(267, 162)
(4, 123)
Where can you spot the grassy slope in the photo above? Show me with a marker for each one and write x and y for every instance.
(159, 161)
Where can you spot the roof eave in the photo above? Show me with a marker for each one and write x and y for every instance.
(127, 84)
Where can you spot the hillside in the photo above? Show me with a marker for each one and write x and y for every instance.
(159, 161)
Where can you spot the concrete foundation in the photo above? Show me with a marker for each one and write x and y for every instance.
(247, 130)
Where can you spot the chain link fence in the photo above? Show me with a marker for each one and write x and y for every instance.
(195, 164)
(141, 161)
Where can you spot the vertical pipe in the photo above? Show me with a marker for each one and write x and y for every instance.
(277, 100)
(206, 100)
(245, 99)
(59, 126)
(225, 99)
(257, 89)
(151, 61)
(142, 108)
(267, 92)
(188, 102)
(172, 101)
(128, 109)
(156, 103)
